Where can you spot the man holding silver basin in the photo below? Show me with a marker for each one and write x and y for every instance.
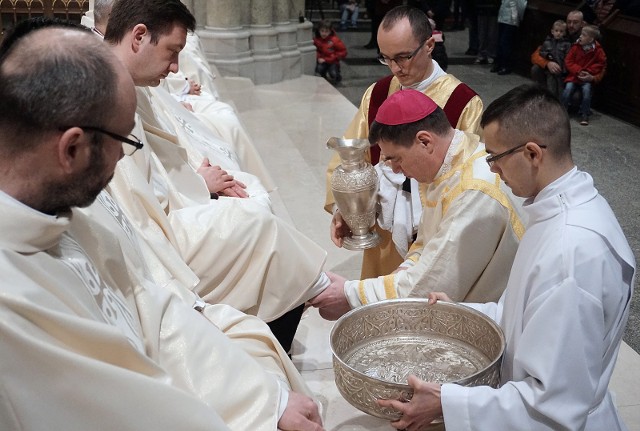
(566, 304)
(470, 228)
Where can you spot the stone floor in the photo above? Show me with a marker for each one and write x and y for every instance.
(290, 123)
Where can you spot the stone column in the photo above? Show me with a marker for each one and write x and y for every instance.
(287, 38)
(305, 40)
(264, 43)
(264, 40)
(224, 40)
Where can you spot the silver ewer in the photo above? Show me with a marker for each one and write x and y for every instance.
(354, 184)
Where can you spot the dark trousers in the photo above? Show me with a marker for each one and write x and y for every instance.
(329, 71)
(506, 41)
(284, 328)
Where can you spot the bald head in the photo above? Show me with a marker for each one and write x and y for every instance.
(575, 22)
(418, 21)
(51, 77)
(65, 101)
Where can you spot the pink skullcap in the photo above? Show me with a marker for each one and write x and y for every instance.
(405, 106)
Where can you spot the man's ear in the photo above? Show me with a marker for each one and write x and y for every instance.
(73, 150)
(534, 153)
(429, 45)
(138, 34)
(425, 139)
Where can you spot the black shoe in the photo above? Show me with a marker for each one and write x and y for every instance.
(504, 71)
(494, 69)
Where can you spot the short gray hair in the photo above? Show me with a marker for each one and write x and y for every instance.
(53, 77)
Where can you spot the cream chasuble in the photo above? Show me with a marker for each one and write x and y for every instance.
(467, 239)
(250, 400)
(218, 116)
(179, 126)
(241, 253)
(74, 354)
(385, 259)
(174, 118)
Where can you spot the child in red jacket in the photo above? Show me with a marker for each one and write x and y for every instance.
(585, 59)
(329, 51)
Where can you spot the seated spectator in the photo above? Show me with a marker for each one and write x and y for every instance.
(575, 22)
(349, 7)
(585, 59)
(555, 48)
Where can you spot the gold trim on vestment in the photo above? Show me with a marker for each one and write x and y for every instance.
(389, 287)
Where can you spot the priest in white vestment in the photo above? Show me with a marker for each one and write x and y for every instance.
(406, 45)
(470, 227)
(219, 117)
(242, 254)
(567, 300)
(89, 340)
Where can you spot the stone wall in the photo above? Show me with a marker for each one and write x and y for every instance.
(263, 40)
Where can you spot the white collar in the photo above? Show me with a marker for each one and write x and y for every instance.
(26, 230)
(436, 73)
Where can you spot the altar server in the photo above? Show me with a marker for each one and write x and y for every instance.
(567, 301)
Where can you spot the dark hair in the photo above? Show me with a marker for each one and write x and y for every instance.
(324, 24)
(404, 134)
(418, 21)
(531, 113)
(159, 16)
(52, 80)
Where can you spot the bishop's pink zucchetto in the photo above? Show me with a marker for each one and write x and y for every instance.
(405, 106)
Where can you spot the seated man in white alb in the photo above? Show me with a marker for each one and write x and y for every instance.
(241, 253)
(73, 319)
(219, 117)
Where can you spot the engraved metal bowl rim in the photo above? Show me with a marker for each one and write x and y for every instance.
(423, 301)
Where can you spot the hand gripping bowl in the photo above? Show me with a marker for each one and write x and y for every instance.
(377, 346)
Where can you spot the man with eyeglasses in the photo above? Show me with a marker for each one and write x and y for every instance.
(470, 226)
(566, 304)
(406, 45)
(63, 333)
(78, 319)
(228, 250)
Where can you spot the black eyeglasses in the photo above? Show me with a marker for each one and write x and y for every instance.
(493, 158)
(400, 60)
(133, 143)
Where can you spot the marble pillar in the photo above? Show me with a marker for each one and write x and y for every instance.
(264, 43)
(265, 40)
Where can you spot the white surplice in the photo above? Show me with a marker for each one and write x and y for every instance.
(563, 314)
